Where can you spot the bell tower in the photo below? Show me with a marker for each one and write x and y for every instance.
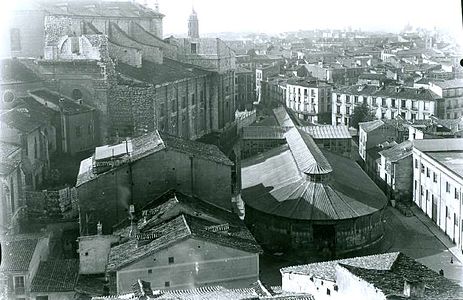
(193, 25)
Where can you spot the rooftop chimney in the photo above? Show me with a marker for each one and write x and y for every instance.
(414, 288)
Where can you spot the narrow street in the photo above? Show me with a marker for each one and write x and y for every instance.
(412, 237)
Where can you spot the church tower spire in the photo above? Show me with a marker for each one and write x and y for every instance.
(193, 25)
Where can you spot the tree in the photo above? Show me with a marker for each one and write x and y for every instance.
(361, 113)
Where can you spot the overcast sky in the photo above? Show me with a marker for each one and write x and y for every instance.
(291, 15)
(272, 16)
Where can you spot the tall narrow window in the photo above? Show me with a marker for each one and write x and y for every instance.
(15, 39)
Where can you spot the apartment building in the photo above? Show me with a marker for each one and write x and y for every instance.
(438, 183)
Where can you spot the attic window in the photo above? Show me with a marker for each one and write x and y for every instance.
(193, 48)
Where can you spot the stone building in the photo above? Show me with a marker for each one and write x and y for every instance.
(303, 199)
(45, 21)
(139, 169)
(438, 183)
(245, 88)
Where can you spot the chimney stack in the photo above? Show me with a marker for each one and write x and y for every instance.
(99, 228)
(414, 288)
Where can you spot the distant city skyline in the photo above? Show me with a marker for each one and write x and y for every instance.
(270, 16)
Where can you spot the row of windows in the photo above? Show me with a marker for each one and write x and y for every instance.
(426, 170)
(395, 103)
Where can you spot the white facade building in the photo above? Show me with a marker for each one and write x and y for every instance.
(385, 102)
(438, 183)
(310, 100)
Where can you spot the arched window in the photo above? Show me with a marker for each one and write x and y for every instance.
(76, 94)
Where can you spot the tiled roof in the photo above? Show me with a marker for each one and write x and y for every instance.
(398, 152)
(205, 151)
(372, 76)
(327, 270)
(153, 142)
(391, 281)
(389, 92)
(327, 131)
(100, 9)
(24, 117)
(273, 184)
(56, 276)
(17, 253)
(263, 133)
(173, 231)
(67, 105)
(371, 125)
(170, 70)
(309, 84)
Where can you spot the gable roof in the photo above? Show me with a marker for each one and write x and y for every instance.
(17, 252)
(371, 125)
(326, 270)
(391, 280)
(153, 142)
(56, 276)
(398, 152)
(327, 131)
(173, 231)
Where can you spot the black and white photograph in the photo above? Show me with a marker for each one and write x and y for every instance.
(236, 150)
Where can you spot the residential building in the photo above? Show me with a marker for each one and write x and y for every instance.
(221, 250)
(11, 187)
(263, 72)
(21, 256)
(274, 91)
(386, 102)
(139, 169)
(33, 130)
(374, 79)
(74, 122)
(245, 86)
(438, 183)
(55, 280)
(382, 276)
(452, 93)
(373, 133)
(310, 100)
(396, 170)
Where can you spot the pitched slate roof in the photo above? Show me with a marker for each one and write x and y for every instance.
(326, 270)
(56, 276)
(17, 253)
(327, 131)
(173, 231)
(391, 280)
(451, 160)
(273, 184)
(447, 84)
